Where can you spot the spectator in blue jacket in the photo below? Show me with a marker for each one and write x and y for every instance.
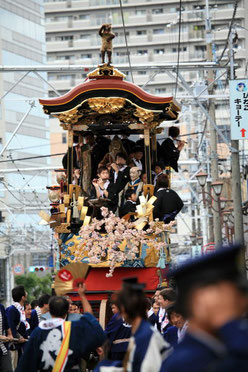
(5, 336)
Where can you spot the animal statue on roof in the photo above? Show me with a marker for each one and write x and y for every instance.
(107, 36)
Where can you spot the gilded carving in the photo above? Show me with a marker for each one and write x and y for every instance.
(63, 228)
(144, 115)
(105, 70)
(106, 105)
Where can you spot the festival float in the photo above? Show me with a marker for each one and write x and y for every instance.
(106, 104)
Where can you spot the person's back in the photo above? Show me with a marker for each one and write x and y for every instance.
(168, 203)
(48, 339)
(169, 153)
(148, 349)
(118, 333)
(45, 342)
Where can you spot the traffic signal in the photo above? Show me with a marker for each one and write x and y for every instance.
(37, 269)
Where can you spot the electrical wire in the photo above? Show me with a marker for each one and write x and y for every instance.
(30, 157)
(34, 147)
(229, 31)
(125, 35)
(40, 203)
(178, 45)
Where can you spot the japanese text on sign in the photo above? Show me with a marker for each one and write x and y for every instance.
(239, 108)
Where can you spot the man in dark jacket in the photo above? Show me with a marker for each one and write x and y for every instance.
(119, 172)
(168, 203)
(170, 153)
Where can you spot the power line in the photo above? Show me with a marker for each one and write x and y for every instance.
(178, 44)
(125, 36)
(30, 157)
(35, 147)
(39, 202)
(229, 31)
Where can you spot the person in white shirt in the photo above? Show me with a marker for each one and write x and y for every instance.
(166, 298)
(158, 170)
(137, 158)
(177, 320)
(103, 188)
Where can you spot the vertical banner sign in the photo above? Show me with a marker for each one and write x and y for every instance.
(239, 108)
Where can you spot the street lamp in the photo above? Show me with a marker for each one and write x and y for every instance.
(225, 217)
(201, 178)
(223, 202)
(217, 187)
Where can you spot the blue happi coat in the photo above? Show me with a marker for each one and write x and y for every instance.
(146, 351)
(44, 344)
(200, 352)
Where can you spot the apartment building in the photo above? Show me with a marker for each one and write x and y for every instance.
(23, 193)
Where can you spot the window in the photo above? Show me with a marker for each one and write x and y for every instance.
(121, 54)
(159, 51)
(64, 138)
(141, 32)
(83, 16)
(64, 37)
(175, 50)
(60, 18)
(85, 36)
(68, 57)
(197, 7)
(140, 12)
(158, 31)
(201, 47)
(198, 27)
(142, 52)
(51, 77)
(158, 11)
(160, 90)
(141, 72)
(65, 77)
(86, 55)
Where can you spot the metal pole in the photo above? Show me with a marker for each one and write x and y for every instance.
(213, 133)
(236, 179)
(17, 128)
(14, 85)
(47, 82)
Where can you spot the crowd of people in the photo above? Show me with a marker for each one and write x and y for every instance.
(196, 326)
(118, 167)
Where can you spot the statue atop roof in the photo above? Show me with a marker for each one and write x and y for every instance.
(107, 36)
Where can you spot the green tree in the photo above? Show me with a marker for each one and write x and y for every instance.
(35, 286)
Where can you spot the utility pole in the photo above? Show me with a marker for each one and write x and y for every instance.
(213, 133)
(236, 179)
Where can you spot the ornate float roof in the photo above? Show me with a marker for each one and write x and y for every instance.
(105, 99)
